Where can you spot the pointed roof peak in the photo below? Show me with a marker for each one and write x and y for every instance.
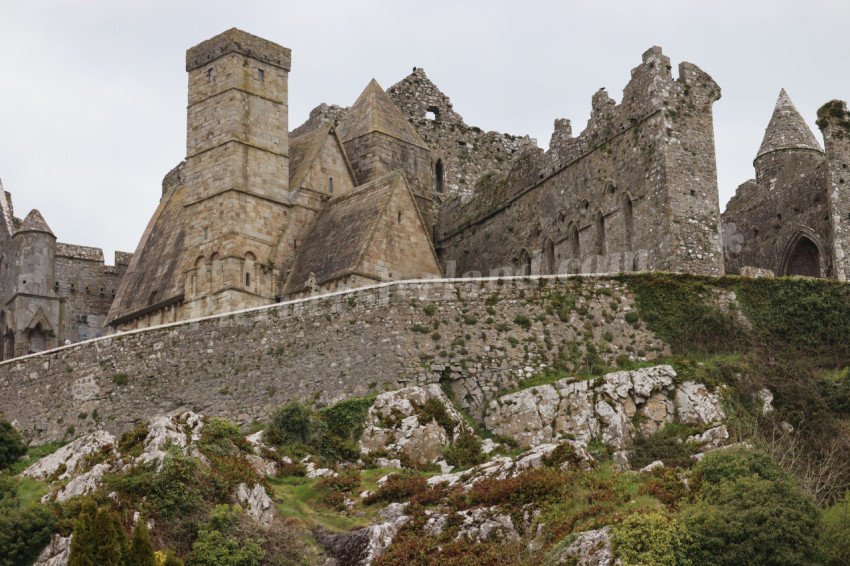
(374, 111)
(787, 129)
(34, 222)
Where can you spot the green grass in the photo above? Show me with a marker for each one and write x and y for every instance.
(35, 454)
(31, 491)
(298, 499)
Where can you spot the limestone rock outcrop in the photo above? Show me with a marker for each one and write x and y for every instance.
(604, 407)
(70, 456)
(398, 425)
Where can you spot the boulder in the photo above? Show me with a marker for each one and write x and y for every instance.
(70, 456)
(575, 411)
(591, 548)
(697, 406)
(56, 553)
(256, 502)
(527, 416)
(394, 425)
(169, 430)
(81, 485)
(362, 546)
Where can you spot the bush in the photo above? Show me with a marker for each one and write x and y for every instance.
(651, 538)
(750, 513)
(398, 487)
(522, 321)
(24, 529)
(835, 533)
(12, 446)
(465, 451)
(218, 542)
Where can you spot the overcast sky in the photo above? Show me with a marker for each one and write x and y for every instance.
(93, 92)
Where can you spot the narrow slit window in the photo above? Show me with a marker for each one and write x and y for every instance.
(295, 244)
(399, 217)
(209, 75)
(331, 185)
(261, 75)
(247, 279)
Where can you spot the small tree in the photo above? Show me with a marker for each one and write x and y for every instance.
(99, 539)
(141, 551)
(12, 446)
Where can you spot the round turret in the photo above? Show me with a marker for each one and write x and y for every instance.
(35, 255)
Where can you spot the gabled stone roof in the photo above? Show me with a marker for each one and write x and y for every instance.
(34, 222)
(154, 276)
(336, 243)
(302, 151)
(375, 112)
(787, 129)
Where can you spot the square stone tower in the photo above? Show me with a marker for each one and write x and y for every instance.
(237, 170)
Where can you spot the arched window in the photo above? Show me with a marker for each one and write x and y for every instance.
(600, 234)
(524, 266)
(548, 257)
(575, 245)
(438, 170)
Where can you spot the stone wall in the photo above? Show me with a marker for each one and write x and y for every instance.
(480, 335)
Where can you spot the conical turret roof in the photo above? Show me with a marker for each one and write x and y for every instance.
(34, 222)
(375, 112)
(787, 129)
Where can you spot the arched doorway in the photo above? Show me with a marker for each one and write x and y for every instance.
(803, 258)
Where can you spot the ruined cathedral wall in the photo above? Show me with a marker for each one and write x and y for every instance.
(243, 365)
(834, 122)
(636, 190)
(88, 288)
(466, 151)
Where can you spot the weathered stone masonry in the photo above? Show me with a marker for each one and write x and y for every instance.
(325, 348)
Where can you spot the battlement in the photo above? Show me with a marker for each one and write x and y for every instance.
(238, 41)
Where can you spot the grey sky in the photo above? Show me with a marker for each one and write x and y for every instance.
(93, 92)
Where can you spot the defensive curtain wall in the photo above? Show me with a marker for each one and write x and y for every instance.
(479, 335)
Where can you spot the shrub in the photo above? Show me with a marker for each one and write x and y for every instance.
(465, 451)
(120, 378)
(398, 487)
(24, 529)
(292, 423)
(522, 321)
(218, 545)
(835, 533)
(651, 538)
(433, 409)
(12, 445)
(750, 513)
(132, 442)
(220, 436)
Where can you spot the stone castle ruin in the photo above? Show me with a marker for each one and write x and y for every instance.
(397, 186)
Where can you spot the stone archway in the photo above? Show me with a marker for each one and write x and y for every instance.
(802, 258)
